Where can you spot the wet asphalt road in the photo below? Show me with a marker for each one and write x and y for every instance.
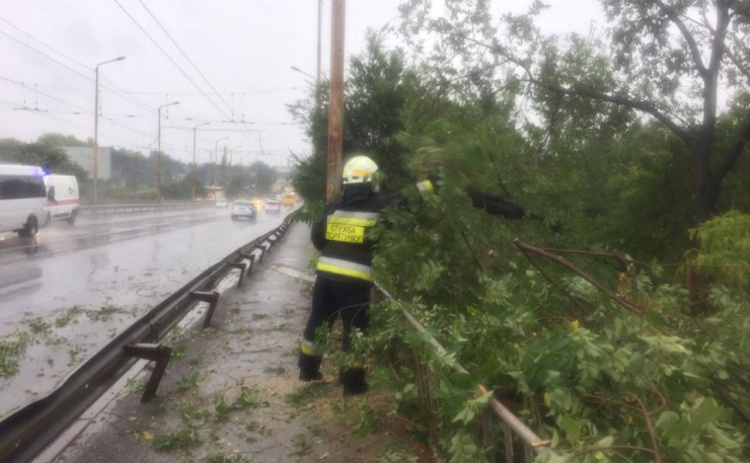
(66, 294)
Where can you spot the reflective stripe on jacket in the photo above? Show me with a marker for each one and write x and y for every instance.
(341, 232)
(345, 268)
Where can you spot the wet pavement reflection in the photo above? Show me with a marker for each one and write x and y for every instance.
(67, 293)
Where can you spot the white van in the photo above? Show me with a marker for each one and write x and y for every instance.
(22, 199)
(62, 198)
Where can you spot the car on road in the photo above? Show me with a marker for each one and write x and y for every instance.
(22, 199)
(273, 206)
(221, 203)
(243, 209)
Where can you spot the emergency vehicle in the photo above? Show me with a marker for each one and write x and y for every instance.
(62, 198)
(22, 199)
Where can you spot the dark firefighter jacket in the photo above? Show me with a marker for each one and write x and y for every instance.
(340, 232)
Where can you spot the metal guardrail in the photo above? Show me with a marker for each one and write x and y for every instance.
(145, 207)
(28, 431)
(510, 424)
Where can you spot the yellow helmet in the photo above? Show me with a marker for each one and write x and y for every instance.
(359, 169)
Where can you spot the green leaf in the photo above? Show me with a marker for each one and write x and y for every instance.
(571, 427)
(606, 442)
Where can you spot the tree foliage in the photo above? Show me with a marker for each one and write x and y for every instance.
(586, 330)
(375, 91)
(663, 60)
(46, 152)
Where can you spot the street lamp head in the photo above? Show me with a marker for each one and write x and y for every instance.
(168, 104)
(295, 68)
(119, 58)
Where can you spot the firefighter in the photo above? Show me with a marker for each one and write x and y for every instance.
(344, 273)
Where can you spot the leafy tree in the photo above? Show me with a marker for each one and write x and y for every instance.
(376, 90)
(666, 60)
(60, 140)
(131, 169)
(41, 153)
(262, 177)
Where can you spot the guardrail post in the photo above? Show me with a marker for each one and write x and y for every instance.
(263, 250)
(528, 453)
(508, 439)
(212, 298)
(249, 257)
(424, 391)
(155, 353)
(486, 438)
(242, 267)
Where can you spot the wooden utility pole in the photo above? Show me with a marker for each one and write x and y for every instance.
(336, 104)
(320, 25)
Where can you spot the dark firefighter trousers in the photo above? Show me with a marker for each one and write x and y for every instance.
(332, 298)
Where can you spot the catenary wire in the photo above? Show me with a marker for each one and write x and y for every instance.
(60, 63)
(83, 110)
(174, 42)
(171, 60)
(175, 63)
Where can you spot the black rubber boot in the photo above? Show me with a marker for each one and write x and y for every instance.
(353, 380)
(309, 367)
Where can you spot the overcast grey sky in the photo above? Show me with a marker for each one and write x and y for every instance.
(244, 48)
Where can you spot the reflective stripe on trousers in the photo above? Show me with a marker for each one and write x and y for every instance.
(308, 348)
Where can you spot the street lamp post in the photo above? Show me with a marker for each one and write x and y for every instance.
(95, 170)
(216, 155)
(158, 152)
(195, 159)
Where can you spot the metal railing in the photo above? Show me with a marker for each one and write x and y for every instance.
(143, 207)
(510, 426)
(28, 431)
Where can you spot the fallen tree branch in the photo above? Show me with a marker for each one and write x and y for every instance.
(562, 262)
(553, 282)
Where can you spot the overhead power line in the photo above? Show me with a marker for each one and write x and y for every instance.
(174, 42)
(216, 92)
(75, 71)
(22, 84)
(59, 120)
(190, 79)
(171, 60)
(21, 42)
(136, 92)
(60, 100)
